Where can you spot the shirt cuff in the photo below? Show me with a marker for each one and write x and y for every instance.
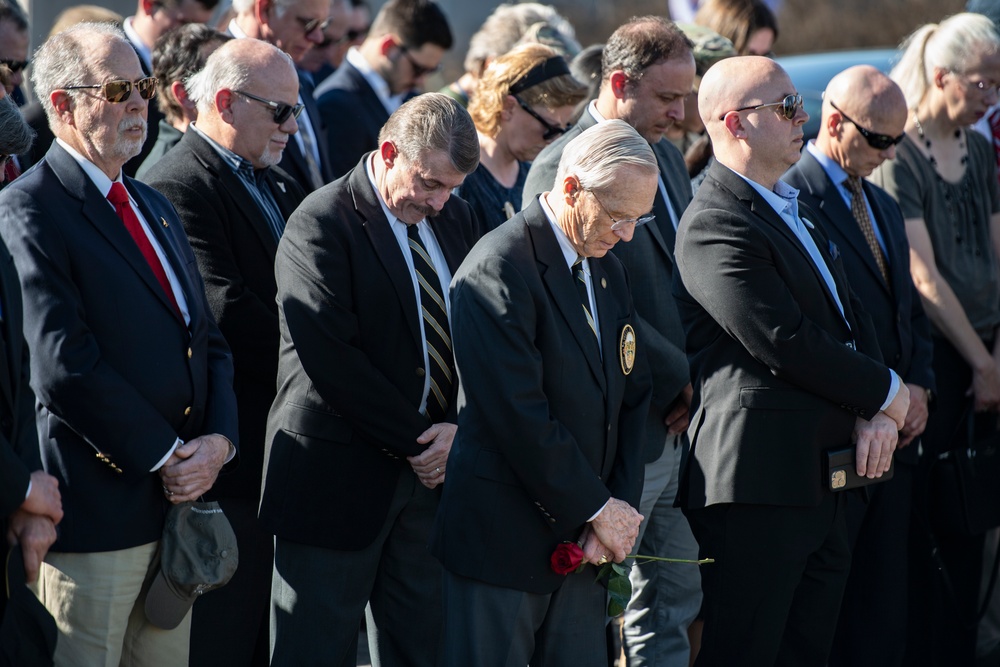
(177, 443)
(598, 512)
(27, 493)
(893, 390)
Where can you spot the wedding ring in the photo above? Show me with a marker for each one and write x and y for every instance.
(603, 560)
(437, 470)
(166, 491)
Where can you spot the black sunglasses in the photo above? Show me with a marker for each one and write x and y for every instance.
(308, 25)
(418, 69)
(15, 65)
(551, 131)
(281, 110)
(119, 91)
(879, 142)
(789, 107)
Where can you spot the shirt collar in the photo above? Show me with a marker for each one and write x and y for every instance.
(235, 30)
(374, 79)
(568, 251)
(592, 108)
(93, 172)
(830, 166)
(144, 51)
(783, 198)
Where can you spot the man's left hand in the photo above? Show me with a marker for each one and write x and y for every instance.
(916, 415)
(430, 464)
(193, 467)
(876, 441)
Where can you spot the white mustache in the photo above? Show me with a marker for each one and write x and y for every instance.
(131, 123)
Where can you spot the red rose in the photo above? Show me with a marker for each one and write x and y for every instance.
(567, 558)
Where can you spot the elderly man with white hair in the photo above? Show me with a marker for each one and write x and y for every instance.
(555, 389)
(233, 202)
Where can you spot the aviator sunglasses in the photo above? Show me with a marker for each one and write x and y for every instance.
(789, 107)
(281, 110)
(879, 142)
(551, 131)
(119, 91)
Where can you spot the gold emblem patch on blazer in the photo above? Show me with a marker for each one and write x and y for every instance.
(626, 349)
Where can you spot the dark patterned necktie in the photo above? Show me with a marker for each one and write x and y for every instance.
(860, 212)
(581, 286)
(436, 329)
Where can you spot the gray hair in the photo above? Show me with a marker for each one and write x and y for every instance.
(15, 133)
(64, 60)
(949, 45)
(225, 69)
(507, 25)
(596, 155)
(433, 122)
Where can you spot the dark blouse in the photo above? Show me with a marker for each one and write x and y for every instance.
(493, 203)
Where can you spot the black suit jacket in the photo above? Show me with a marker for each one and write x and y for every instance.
(776, 382)
(901, 326)
(352, 114)
(350, 366)
(118, 378)
(292, 160)
(548, 430)
(19, 454)
(235, 250)
(649, 259)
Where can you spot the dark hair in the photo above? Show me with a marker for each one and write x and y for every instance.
(415, 22)
(177, 55)
(433, 122)
(642, 42)
(13, 12)
(171, 4)
(737, 20)
(15, 133)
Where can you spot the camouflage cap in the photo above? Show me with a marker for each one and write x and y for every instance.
(709, 47)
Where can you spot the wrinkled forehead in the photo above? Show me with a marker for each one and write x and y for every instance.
(111, 59)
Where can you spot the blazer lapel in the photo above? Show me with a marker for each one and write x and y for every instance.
(559, 281)
(384, 241)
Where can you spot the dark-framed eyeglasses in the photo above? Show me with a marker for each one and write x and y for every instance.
(418, 69)
(551, 131)
(282, 110)
(15, 65)
(617, 225)
(308, 25)
(120, 90)
(789, 107)
(879, 142)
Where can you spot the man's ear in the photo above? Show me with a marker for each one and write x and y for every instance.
(223, 104)
(571, 189)
(262, 11)
(389, 154)
(388, 44)
(62, 101)
(618, 81)
(734, 123)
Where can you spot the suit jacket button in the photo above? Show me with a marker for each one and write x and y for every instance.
(420, 372)
(187, 411)
(190, 353)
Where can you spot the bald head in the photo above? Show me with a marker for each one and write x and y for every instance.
(758, 143)
(864, 97)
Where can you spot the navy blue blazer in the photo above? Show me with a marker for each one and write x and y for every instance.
(352, 114)
(117, 376)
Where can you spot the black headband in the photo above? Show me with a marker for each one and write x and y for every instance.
(543, 71)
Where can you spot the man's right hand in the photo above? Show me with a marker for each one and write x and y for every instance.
(679, 415)
(35, 533)
(617, 527)
(897, 409)
(44, 497)
(985, 388)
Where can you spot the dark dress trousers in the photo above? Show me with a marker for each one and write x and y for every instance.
(879, 529)
(235, 249)
(549, 426)
(777, 382)
(117, 376)
(352, 116)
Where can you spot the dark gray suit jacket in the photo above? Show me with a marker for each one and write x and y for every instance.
(901, 326)
(776, 383)
(548, 430)
(649, 259)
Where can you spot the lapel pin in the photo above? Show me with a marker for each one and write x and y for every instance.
(281, 186)
(604, 283)
(164, 221)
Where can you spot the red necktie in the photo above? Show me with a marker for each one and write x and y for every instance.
(994, 121)
(11, 170)
(119, 198)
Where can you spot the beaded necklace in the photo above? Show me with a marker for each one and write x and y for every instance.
(927, 142)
